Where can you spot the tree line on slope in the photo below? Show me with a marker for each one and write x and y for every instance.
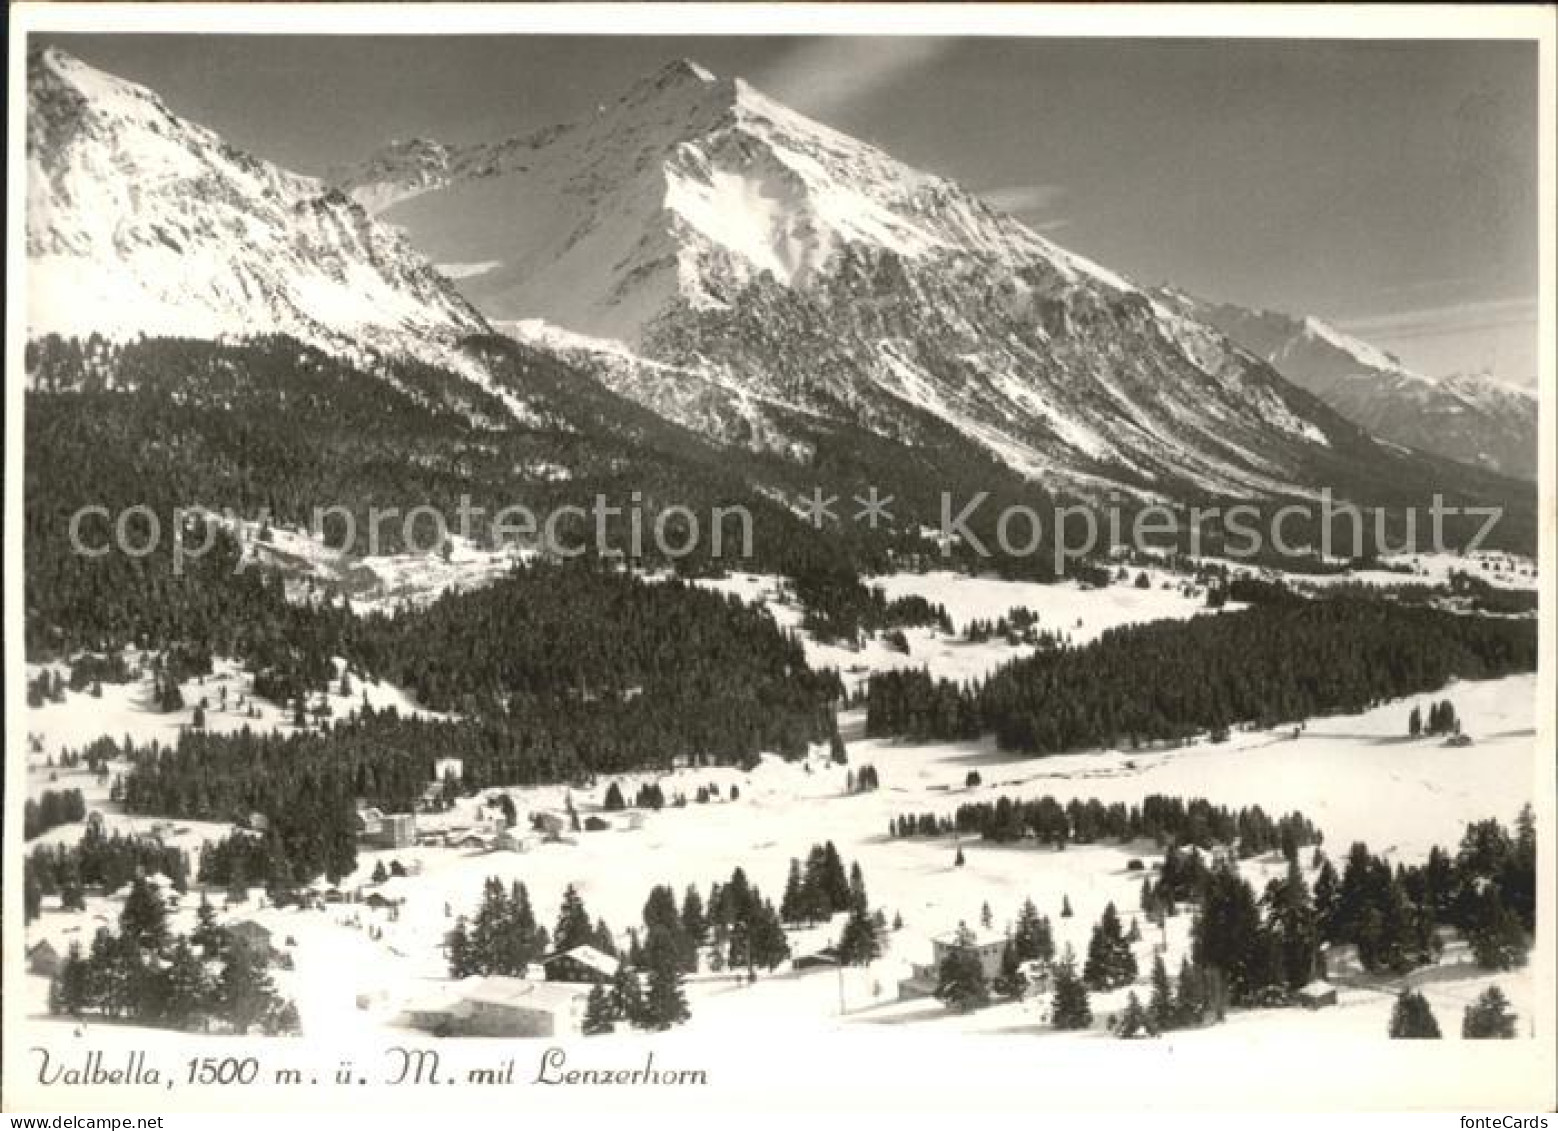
(1170, 681)
(1163, 819)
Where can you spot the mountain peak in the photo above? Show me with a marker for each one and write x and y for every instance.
(679, 81)
(56, 78)
(141, 221)
(679, 72)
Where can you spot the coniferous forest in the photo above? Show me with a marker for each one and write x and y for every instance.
(561, 672)
(1172, 680)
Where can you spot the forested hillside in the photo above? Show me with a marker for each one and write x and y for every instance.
(1268, 664)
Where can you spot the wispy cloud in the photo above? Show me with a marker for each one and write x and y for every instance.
(829, 76)
(1431, 286)
(1437, 321)
(1024, 198)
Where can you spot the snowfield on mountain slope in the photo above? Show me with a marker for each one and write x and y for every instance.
(127, 710)
(115, 247)
(1078, 614)
(1476, 418)
(685, 220)
(1336, 772)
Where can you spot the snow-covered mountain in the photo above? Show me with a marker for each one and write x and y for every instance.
(139, 221)
(720, 260)
(1470, 417)
(710, 246)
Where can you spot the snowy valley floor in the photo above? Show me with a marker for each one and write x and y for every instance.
(1357, 777)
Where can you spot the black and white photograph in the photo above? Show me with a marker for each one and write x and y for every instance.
(561, 554)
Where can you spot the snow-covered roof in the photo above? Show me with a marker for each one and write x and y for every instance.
(976, 936)
(498, 989)
(590, 956)
(1317, 988)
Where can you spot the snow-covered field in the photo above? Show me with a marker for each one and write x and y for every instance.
(1498, 568)
(1078, 614)
(1355, 776)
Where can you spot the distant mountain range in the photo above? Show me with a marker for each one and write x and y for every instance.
(782, 290)
(1469, 417)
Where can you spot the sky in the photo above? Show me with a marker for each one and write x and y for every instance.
(1387, 187)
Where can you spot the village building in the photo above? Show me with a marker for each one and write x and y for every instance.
(581, 964)
(986, 944)
(43, 959)
(509, 840)
(499, 1006)
(549, 825)
(377, 829)
(1316, 995)
(254, 937)
(475, 840)
(390, 894)
(826, 956)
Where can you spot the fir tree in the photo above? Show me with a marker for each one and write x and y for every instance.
(1227, 931)
(768, 944)
(859, 902)
(32, 898)
(792, 906)
(144, 919)
(1135, 1023)
(1069, 1008)
(1488, 1018)
(457, 949)
(836, 882)
(665, 1004)
(1412, 1019)
(1291, 918)
(187, 989)
(1160, 1006)
(244, 990)
(70, 992)
(603, 939)
(858, 945)
(1110, 961)
(1032, 938)
(960, 982)
(627, 1001)
(1498, 940)
(1009, 982)
(599, 1015)
(1192, 998)
(694, 922)
(573, 922)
